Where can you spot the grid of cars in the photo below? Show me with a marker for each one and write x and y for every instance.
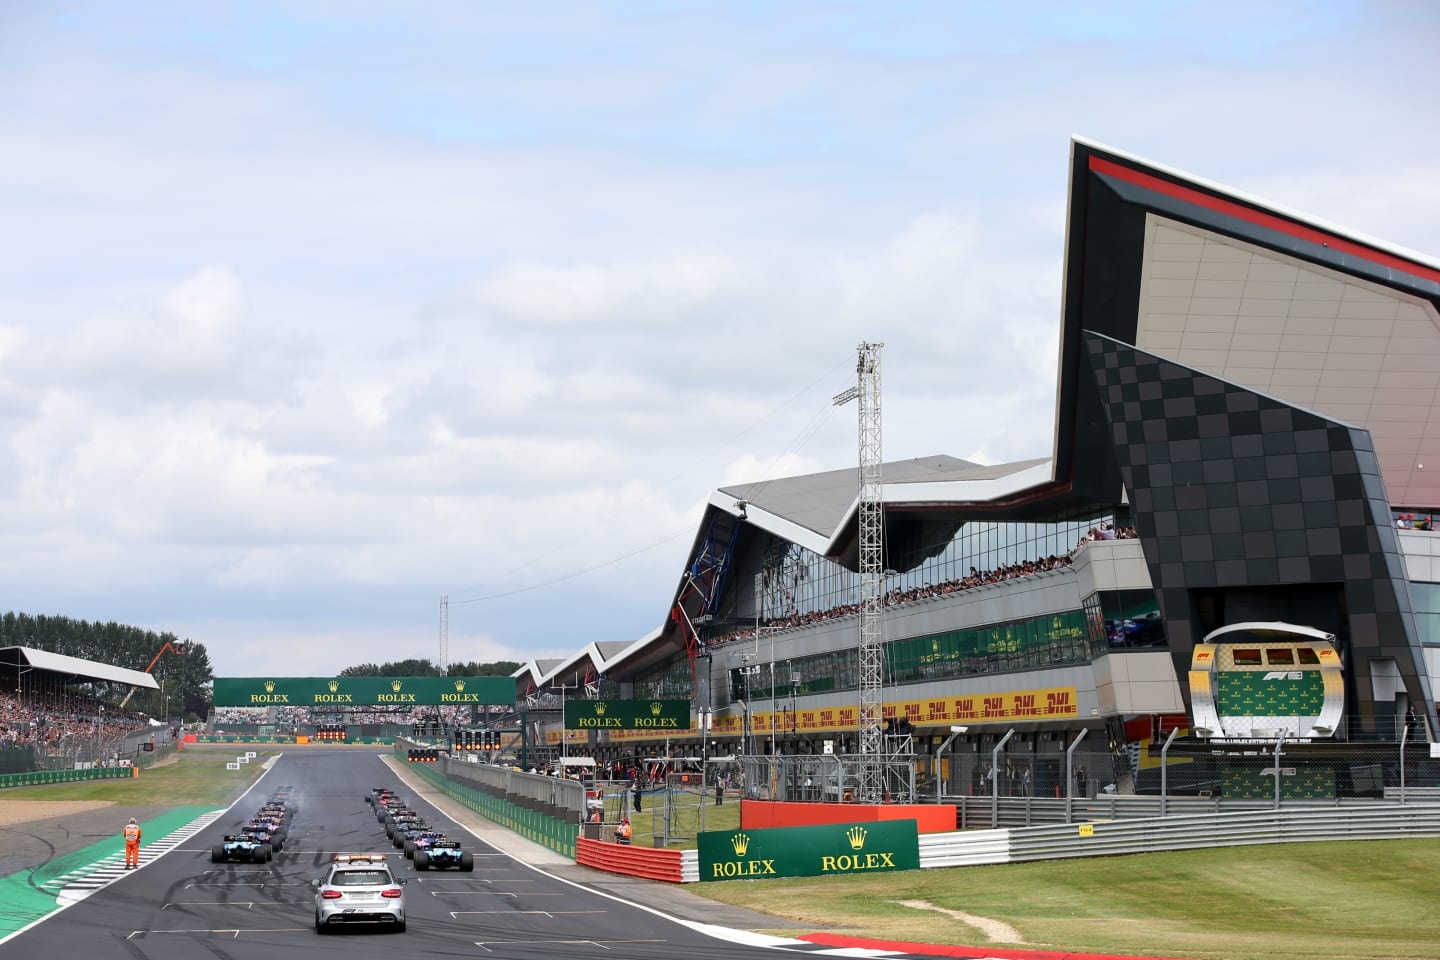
(263, 835)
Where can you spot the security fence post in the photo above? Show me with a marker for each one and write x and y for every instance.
(1404, 735)
(1070, 774)
(1165, 770)
(995, 779)
(1278, 742)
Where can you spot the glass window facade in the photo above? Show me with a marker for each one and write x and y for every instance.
(998, 648)
(1425, 598)
(1131, 619)
(799, 583)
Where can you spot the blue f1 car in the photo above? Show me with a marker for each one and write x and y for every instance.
(242, 847)
(443, 854)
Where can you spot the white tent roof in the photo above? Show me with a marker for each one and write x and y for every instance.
(89, 669)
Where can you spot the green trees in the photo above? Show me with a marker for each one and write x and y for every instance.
(183, 678)
(425, 668)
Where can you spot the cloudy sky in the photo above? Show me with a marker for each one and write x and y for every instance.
(313, 312)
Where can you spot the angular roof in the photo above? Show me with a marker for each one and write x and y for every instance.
(1321, 318)
(75, 667)
(816, 510)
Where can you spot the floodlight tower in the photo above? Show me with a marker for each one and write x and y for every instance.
(872, 571)
(444, 633)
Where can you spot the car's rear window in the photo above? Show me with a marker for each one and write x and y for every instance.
(359, 878)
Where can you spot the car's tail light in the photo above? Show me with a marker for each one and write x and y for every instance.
(330, 894)
(391, 893)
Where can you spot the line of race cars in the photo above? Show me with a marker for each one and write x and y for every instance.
(407, 831)
(264, 834)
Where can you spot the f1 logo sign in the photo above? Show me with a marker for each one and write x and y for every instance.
(1285, 675)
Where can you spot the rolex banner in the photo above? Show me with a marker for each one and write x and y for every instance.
(657, 715)
(362, 691)
(809, 851)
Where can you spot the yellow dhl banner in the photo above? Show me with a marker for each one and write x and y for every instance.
(1052, 703)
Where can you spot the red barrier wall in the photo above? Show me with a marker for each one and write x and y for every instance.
(929, 817)
(630, 860)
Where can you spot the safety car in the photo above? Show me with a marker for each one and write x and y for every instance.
(359, 888)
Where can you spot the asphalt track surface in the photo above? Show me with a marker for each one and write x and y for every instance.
(180, 906)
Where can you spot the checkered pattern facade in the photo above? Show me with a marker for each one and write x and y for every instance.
(1234, 489)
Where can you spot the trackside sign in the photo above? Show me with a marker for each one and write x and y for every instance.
(627, 715)
(361, 691)
(809, 851)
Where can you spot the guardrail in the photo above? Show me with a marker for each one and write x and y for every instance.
(509, 798)
(1375, 821)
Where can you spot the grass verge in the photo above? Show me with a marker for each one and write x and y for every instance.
(1361, 900)
(196, 777)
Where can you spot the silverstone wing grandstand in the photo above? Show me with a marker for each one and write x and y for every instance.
(1246, 410)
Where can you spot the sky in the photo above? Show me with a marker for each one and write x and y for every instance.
(313, 313)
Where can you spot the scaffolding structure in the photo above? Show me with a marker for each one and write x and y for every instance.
(871, 521)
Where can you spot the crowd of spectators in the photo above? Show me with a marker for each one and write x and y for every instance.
(46, 720)
(295, 716)
(975, 578)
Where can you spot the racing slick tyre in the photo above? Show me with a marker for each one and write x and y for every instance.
(262, 853)
(467, 862)
(277, 843)
(422, 860)
(409, 849)
(217, 854)
(398, 840)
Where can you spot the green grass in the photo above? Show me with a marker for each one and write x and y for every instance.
(197, 777)
(1343, 901)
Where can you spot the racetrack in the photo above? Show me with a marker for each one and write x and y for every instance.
(181, 906)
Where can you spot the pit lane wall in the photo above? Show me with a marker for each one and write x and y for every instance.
(544, 810)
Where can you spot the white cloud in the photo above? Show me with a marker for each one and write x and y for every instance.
(288, 349)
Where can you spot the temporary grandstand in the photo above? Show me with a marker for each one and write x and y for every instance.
(59, 712)
(1247, 430)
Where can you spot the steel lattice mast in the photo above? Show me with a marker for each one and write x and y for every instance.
(444, 634)
(871, 518)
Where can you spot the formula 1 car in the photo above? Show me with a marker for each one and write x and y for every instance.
(443, 854)
(389, 808)
(404, 829)
(420, 841)
(243, 847)
(268, 831)
(277, 811)
(406, 820)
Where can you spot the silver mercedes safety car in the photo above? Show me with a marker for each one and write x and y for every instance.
(359, 888)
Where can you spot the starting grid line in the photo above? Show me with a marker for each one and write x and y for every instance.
(77, 884)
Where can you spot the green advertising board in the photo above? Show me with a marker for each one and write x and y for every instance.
(817, 851)
(627, 714)
(362, 691)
